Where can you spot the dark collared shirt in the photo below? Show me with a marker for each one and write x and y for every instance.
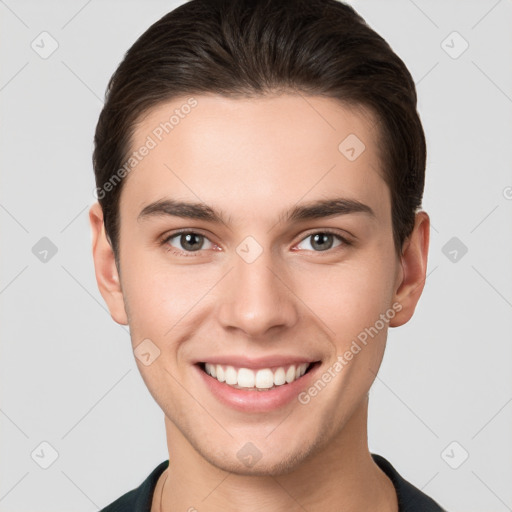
(410, 499)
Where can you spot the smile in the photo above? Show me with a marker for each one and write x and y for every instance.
(252, 385)
(262, 379)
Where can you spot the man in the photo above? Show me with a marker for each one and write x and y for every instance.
(259, 169)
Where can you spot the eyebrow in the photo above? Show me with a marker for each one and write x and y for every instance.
(319, 209)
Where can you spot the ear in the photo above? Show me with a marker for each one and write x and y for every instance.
(412, 275)
(105, 267)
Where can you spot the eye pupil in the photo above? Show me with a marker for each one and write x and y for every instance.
(319, 241)
(189, 241)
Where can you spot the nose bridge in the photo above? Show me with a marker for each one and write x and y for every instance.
(257, 299)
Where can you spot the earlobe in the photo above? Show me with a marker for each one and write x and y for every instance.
(107, 275)
(413, 270)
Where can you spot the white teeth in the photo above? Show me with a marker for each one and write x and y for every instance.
(231, 375)
(279, 377)
(264, 378)
(210, 369)
(245, 378)
(300, 371)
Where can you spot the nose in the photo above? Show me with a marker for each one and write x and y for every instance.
(257, 297)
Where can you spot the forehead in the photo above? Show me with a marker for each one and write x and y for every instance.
(247, 151)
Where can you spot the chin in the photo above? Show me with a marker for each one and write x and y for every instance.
(250, 461)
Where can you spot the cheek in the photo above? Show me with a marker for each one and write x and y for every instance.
(350, 296)
(158, 296)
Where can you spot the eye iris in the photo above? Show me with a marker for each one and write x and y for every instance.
(319, 241)
(189, 241)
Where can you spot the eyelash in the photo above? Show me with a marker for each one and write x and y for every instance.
(192, 254)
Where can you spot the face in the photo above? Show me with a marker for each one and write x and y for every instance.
(257, 238)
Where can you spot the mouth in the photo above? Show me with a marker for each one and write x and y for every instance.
(257, 379)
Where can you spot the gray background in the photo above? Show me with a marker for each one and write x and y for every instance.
(68, 376)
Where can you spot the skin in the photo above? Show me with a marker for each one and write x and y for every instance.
(253, 159)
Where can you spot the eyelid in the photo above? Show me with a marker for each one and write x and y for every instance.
(171, 234)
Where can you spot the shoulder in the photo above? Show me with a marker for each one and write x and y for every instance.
(139, 499)
(410, 498)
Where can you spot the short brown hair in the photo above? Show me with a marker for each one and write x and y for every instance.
(255, 47)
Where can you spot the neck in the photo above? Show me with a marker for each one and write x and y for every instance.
(341, 475)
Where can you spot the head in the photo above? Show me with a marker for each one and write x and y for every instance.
(256, 112)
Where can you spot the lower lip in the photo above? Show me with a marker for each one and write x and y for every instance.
(254, 400)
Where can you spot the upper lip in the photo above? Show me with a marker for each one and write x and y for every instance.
(242, 361)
